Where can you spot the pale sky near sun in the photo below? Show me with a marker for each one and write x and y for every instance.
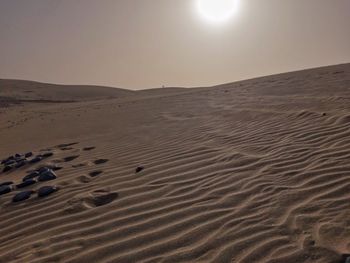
(139, 44)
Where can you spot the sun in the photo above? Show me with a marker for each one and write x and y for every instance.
(217, 10)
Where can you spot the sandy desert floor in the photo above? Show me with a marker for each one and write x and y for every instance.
(254, 171)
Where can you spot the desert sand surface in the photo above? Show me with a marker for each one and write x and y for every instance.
(252, 171)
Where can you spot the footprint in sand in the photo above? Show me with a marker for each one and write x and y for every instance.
(70, 158)
(65, 145)
(100, 161)
(79, 165)
(95, 173)
(83, 179)
(66, 148)
(93, 199)
(101, 197)
(89, 148)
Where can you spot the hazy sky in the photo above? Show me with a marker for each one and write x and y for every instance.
(139, 44)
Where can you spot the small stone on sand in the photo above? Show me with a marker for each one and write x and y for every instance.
(46, 190)
(5, 189)
(139, 169)
(22, 196)
(47, 176)
(26, 183)
(6, 183)
(7, 168)
(36, 159)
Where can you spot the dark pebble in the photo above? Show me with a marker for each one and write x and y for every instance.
(47, 155)
(22, 196)
(21, 163)
(5, 189)
(53, 167)
(26, 183)
(6, 183)
(43, 169)
(47, 176)
(7, 168)
(139, 169)
(46, 190)
(31, 176)
(17, 155)
(36, 159)
(19, 159)
(29, 154)
(10, 162)
(7, 160)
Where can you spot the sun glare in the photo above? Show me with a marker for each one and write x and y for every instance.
(217, 11)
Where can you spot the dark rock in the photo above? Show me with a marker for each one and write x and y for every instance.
(26, 183)
(345, 258)
(5, 189)
(29, 154)
(46, 190)
(10, 162)
(42, 169)
(6, 183)
(53, 167)
(139, 169)
(47, 155)
(31, 176)
(17, 155)
(18, 159)
(47, 176)
(22, 196)
(7, 168)
(21, 163)
(36, 159)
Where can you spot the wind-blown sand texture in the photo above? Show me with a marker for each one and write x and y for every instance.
(254, 171)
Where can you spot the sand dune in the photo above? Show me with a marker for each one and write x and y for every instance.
(22, 90)
(252, 171)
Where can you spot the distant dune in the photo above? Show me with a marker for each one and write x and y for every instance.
(30, 90)
(251, 171)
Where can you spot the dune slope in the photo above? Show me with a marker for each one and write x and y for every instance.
(253, 171)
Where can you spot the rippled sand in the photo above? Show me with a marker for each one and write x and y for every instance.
(254, 171)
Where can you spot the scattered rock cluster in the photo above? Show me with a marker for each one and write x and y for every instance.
(20, 160)
(42, 174)
(41, 192)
